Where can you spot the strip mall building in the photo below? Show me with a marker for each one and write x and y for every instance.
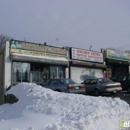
(84, 63)
(30, 62)
(117, 62)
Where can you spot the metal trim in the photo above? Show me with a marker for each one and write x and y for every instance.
(40, 60)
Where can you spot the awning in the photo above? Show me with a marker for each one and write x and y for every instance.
(91, 64)
(38, 59)
(118, 62)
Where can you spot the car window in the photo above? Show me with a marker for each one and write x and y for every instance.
(107, 80)
(115, 77)
(87, 81)
(67, 81)
(93, 81)
(62, 81)
(101, 81)
(129, 77)
(46, 83)
(53, 82)
(122, 78)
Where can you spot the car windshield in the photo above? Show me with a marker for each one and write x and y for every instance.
(67, 81)
(46, 83)
(105, 80)
(115, 77)
(122, 78)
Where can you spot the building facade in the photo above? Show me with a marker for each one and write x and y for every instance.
(117, 62)
(35, 63)
(84, 64)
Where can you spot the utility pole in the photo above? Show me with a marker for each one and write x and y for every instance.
(57, 40)
(25, 40)
(90, 47)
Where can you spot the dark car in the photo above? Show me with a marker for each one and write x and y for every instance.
(64, 85)
(124, 79)
(101, 85)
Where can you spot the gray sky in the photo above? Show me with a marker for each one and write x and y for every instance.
(76, 23)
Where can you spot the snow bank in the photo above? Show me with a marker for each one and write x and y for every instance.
(43, 109)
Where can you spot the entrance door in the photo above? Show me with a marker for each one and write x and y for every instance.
(35, 77)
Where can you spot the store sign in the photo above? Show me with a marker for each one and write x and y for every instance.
(36, 53)
(37, 47)
(117, 55)
(86, 55)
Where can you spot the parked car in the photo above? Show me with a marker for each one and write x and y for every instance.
(124, 79)
(101, 85)
(64, 85)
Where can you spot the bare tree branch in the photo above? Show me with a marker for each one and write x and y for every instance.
(3, 39)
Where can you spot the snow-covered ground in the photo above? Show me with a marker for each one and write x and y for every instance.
(43, 109)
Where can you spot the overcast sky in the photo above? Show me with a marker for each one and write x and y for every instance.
(76, 23)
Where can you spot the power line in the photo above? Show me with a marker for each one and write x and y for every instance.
(57, 40)
(123, 46)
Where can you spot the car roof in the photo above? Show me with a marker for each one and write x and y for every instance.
(97, 78)
(91, 78)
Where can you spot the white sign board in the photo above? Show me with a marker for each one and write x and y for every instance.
(86, 55)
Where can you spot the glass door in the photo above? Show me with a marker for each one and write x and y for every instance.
(35, 77)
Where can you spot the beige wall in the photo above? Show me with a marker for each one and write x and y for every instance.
(7, 79)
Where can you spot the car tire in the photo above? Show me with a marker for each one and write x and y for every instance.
(128, 90)
(97, 92)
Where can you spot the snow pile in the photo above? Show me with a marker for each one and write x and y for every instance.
(39, 108)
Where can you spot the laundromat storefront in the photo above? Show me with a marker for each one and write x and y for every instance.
(117, 62)
(36, 62)
(86, 64)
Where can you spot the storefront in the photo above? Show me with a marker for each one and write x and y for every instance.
(84, 64)
(30, 62)
(117, 62)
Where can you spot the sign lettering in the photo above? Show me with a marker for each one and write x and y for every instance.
(113, 54)
(36, 53)
(86, 55)
(37, 47)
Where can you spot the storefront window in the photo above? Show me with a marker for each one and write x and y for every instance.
(45, 74)
(21, 72)
(56, 72)
(60, 72)
(53, 72)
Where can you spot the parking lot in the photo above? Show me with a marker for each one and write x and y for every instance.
(124, 96)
